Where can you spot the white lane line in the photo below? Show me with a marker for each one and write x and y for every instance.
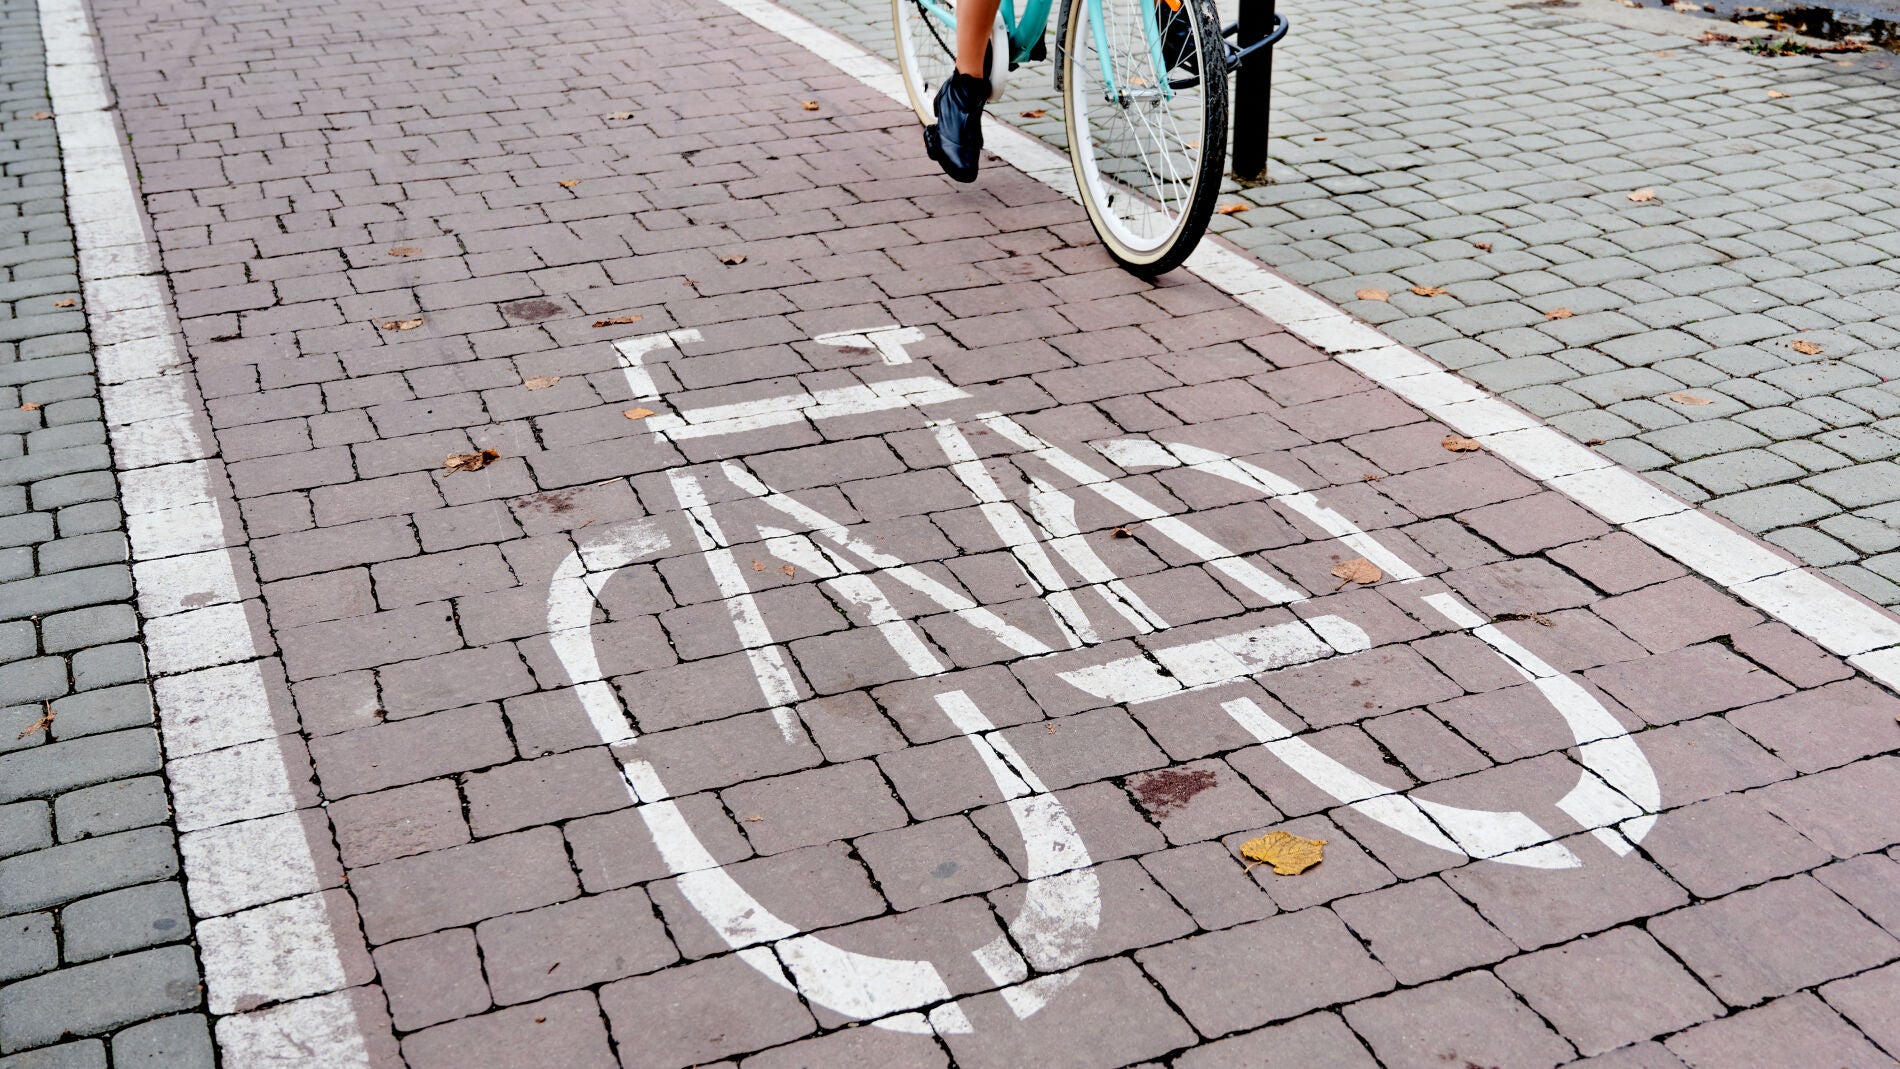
(268, 936)
(1798, 596)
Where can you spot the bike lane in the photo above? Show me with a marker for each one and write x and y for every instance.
(904, 619)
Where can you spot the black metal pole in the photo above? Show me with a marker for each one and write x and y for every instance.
(1253, 93)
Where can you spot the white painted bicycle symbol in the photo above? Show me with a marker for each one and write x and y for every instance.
(1616, 795)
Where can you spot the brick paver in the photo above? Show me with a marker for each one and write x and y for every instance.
(706, 735)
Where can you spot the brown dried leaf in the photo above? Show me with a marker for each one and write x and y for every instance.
(1357, 570)
(1458, 443)
(809, 105)
(1233, 209)
(1537, 618)
(1481, 246)
(42, 724)
(1125, 532)
(790, 571)
(732, 259)
(1776, 94)
(569, 183)
(758, 565)
(618, 321)
(1035, 113)
(40, 116)
(1665, 54)
(637, 413)
(471, 461)
(66, 303)
(1289, 854)
(1642, 196)
(1683, 398)
(1373, 295)
(401, 324)
(1431, 291)
(1807, 348)
(405, 250)
(1559, 313)
(541, 382)
(30, 406)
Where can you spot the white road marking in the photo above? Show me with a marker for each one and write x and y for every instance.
(231, 787)
(1804, 599)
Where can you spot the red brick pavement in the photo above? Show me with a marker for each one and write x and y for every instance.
(514, 901)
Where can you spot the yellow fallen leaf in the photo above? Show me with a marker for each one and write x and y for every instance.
(1289, 854)
(570, 183)
(1233, 209)
(1373, 295)
(1682, 398)
(1807, 348)
(1776, 94)
(637, 413)
(617, 321)
(790, 571)
(402, 324)
(1642, 196)
(1357, 570)
(732, 259)
(541, 382)
(1559, 313)
(1034, 113)
(405, 250)
(67, 303)
(810, 105)
(471, 461)
(1431, 291)
(1458, 443)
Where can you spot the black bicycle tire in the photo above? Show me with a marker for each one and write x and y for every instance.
(1213, 162)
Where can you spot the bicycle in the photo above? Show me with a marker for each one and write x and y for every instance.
(1147, 131)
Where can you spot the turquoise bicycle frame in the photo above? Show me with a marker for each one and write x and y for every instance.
(1026, 28)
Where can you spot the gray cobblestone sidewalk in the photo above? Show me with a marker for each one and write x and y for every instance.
(1489, 149)
(96, 962)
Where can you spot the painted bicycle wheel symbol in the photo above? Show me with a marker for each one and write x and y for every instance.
(1616, 795)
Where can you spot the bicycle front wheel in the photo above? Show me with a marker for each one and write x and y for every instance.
(926, 50)
(1147, 122)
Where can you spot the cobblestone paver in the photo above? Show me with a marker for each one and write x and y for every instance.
(963, 658)
(96, 955)
(1490, 150)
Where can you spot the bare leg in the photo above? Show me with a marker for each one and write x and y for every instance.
(975, 19)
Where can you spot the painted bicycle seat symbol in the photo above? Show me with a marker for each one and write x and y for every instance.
(1615, 796)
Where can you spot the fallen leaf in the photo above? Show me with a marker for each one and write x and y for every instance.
(405, 250)
(540, 1020)
(1642, 196)
(1373, 295)
(30, 406)
(758, 565)
(1663, 55)
(471, 461)
(41, 116)
(67, 303)
(1370, 478)
(637, 413)
(621, 116)
(1319, 139)
(1593, 441)
(810, 105)
(1289, 854)
(1457, 443)
(790, 571)
(1689, 399)
(402, 324)
(1537, 618)
(753, 819)
(1711, 37)
(42, 724)
(541, 382)
(1559, 313)
(1036, 113)
(1481, 246)
(1125, 532)
(732, 259)
(1357, 570)
(617, 321)
(570, 183)
(1807, 348)
(1431, 291)
(1233, 209)
(1776, 94)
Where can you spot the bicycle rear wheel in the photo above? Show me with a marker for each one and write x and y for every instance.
(926, 50)
(1148, 151)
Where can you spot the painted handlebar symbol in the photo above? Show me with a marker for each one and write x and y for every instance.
(1616, 795)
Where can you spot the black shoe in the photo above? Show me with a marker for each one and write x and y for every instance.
(956, 141)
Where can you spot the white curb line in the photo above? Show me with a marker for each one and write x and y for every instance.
(265, 929)
(1844, 623)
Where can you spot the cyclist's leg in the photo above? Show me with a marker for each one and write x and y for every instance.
(974, 21)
